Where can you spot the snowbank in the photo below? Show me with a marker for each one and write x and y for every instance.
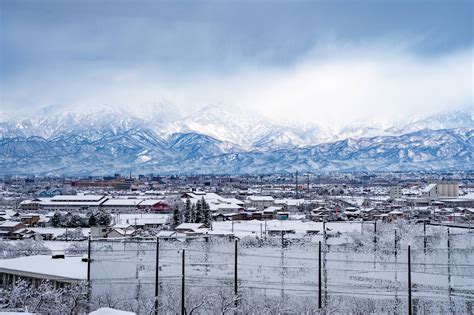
(109, 311)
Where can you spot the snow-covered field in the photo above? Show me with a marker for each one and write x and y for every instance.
(257, 228)
(58, 231)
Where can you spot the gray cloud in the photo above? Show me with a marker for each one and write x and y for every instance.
(370, 84)
(327, 61)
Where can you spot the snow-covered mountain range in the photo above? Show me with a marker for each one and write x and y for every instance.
(214, 140)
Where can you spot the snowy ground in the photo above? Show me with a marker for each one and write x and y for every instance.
(109, 311)
(129, 218)
(58, 231)
(257, 228)
(58, 246)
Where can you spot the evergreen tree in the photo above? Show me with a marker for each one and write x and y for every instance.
(75, 221)
(103, 219)
(176, 217)
(199, 215)
(92, 220)
(56, 219)
(187, 211)
(206, 213)
(193, 214)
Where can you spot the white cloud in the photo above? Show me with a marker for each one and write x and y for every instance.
(372, 85)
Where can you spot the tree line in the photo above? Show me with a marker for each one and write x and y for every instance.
(74, 220)
(199, 212)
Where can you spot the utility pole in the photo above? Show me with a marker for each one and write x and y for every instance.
(265, 229)
(183, 306)
(324, 230)
(326, 249)
(307, 182)
(89, 260)
(375, 232)
(235, 272)
(449, 266)
(89, 287)
(157, 267)
(296, 185)
(320, 296)
(409, 282)
(396, 243)
(424, 237)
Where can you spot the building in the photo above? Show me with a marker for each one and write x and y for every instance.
(260, 202)
(439, 190)
(461, 201)
(189, 227)
(74, 203)
(30, 219)
(447, 189)
(429, 193)
(154, 205)
(8, 228)
(396, 192)
(118, 232)
(395, 215)
(31, 205)
(59, 269)
(120, 205)
(99, 231)
(457, 218)
(217, 203)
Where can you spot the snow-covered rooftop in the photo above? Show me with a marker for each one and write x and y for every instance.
(8, 224)
(189, 226)
(260, 198)
(122, 202)
(428, 188)
(150, 202)
(43, 266)
(77, 198)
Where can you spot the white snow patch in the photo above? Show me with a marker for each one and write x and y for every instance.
(109, 311)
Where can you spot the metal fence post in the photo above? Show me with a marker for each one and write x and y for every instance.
(410, 311)
(424, 237)
(157, 267)
(235, 272)
(396, 245)
(320, 297)
(89, 259)
(183, 298)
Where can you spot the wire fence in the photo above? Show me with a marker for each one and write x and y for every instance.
(369, 273)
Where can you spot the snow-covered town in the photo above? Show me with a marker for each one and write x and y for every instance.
(266, 157)
(320, 242)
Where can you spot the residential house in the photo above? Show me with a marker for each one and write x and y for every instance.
(189, 227)
(260, 202)
(7, 229)
(30, 219)
(154, 205)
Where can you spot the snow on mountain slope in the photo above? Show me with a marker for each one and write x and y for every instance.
(446, 120)
(215, 140)
(196, 153)
(239, 128)
(248, 130)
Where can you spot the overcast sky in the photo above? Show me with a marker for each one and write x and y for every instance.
(304, 61)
